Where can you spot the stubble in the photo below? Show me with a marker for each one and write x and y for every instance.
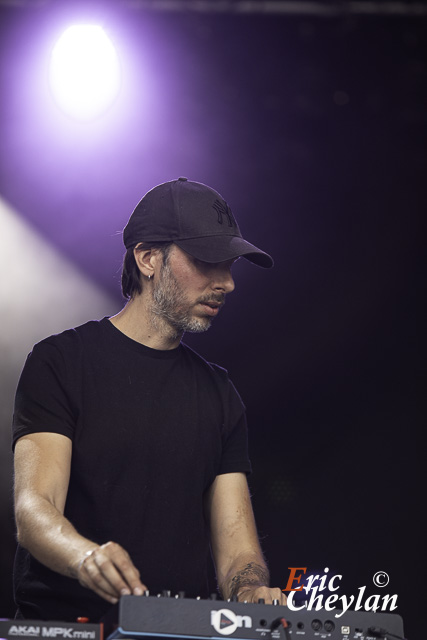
(170, 309)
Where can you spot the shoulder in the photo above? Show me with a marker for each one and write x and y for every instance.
(70, 339)
(61, 350)
(210, 367)
(218, 375)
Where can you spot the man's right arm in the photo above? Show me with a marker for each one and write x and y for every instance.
(42, 473)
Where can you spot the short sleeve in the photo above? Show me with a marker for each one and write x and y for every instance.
(42, 401)
(235, 457)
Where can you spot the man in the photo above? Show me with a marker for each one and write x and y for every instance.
(130, 449)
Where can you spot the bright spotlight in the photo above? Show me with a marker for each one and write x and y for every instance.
(84, 72)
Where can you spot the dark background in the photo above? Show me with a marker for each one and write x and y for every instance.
(313, 127)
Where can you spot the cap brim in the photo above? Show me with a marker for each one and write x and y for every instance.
(221, 248)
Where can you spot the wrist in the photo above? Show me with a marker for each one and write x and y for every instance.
(248, 589)
(77, 565)
(250, 577)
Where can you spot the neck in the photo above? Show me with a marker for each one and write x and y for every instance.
(137, 321)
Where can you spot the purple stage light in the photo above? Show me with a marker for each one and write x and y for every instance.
(84, 72)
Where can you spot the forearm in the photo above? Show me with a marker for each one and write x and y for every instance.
(241, 569)
(248, 571)
(49, 536)
(42, 470)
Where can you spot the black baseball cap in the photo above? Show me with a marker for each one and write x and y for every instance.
(194, 217)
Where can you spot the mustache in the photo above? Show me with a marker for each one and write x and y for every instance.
(213, 298)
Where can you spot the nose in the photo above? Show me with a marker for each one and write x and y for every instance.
(222, 279)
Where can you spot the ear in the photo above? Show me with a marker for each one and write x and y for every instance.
(147, 260)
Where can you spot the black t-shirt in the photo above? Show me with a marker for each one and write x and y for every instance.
(151, 430)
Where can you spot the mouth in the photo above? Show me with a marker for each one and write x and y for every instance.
(211, 308)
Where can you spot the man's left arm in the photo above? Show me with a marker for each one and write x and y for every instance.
(240, 566)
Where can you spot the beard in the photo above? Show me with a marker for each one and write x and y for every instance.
(171, 308)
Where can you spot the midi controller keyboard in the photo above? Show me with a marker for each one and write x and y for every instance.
(167, 616)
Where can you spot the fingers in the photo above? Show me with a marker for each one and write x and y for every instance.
(118, 562)
(253, 594)
(109, 571)
(90, 577)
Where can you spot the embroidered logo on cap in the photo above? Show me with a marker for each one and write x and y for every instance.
(222, 210)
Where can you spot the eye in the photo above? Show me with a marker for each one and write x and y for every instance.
(201, 264)
(207, 266)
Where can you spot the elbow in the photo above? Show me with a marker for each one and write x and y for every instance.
(20, 538)
(20, 526)
(23, 511)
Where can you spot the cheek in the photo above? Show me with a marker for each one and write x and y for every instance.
(191, 280)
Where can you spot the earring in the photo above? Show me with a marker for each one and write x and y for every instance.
(149, 277)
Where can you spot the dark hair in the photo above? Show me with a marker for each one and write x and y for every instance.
(131, 276)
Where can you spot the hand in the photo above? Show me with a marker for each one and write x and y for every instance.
(253, 594)
(109, 571)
